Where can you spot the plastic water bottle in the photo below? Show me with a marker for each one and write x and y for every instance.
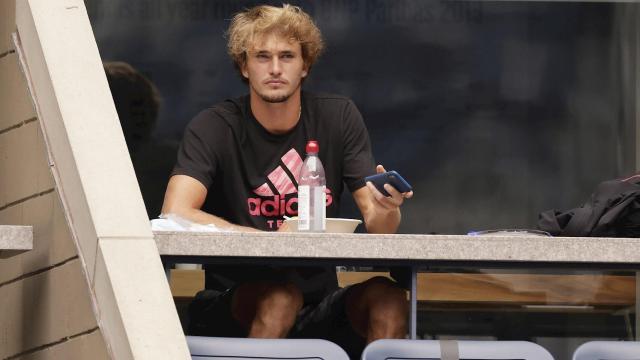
(312, 199)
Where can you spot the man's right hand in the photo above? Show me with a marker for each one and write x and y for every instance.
(285, 227)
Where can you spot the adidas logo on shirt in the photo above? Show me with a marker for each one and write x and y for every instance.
(270, 203)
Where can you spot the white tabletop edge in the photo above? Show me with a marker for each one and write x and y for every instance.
(401, 247)
(16, 238)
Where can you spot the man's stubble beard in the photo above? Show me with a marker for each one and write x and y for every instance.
(274, 99)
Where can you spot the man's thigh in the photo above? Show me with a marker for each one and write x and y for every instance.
(328, 320)
(210, 315)
(230, 313)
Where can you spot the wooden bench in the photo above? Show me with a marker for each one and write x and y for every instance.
(489, 289)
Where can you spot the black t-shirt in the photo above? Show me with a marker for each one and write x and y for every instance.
(251, 174)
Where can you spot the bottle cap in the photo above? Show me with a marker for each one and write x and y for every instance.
(312, 147)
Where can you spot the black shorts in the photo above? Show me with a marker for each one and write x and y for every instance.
(210, 315)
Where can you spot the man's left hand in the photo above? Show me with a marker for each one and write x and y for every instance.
(395, 198)
(381, 213)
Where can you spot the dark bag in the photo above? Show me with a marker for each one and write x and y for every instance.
(612, 211)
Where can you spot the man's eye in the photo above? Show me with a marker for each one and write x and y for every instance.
(262, 56)
(288, 56)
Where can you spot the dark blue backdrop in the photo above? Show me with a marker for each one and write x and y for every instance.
(494, 111)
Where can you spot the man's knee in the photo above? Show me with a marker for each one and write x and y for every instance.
(378, 308)
(284, 297)
(379, 291)
(276, 301)
(380, 282)
(385, 297)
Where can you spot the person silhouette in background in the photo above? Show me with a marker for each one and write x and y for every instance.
(137, 102)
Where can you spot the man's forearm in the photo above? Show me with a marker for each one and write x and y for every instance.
(201, 217)
(386, 222)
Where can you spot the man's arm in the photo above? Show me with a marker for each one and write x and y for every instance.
(185, 196)
(381, 213)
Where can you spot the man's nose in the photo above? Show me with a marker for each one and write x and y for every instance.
(276, 67)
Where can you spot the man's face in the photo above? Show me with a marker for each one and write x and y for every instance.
(274, 68)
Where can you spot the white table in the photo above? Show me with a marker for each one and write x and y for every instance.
(415, 251)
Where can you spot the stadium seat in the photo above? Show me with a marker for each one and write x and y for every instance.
(218, 348)
(454, 350)
(608, 350)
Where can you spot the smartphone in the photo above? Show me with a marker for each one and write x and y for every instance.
(390, 177)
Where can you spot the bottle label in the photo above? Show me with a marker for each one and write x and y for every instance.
(312, 208)
(320, 211)
(303, 207)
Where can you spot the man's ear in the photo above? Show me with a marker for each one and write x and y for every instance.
(244, 71)
(305, 71)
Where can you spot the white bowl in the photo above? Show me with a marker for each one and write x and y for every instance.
(334, 225)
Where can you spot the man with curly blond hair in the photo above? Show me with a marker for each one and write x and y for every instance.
(238, 168)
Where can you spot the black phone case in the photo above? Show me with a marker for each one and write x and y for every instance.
(390, 177)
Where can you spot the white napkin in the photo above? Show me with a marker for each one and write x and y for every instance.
(173, 222)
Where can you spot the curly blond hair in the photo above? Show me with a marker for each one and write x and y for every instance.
(288, 21)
